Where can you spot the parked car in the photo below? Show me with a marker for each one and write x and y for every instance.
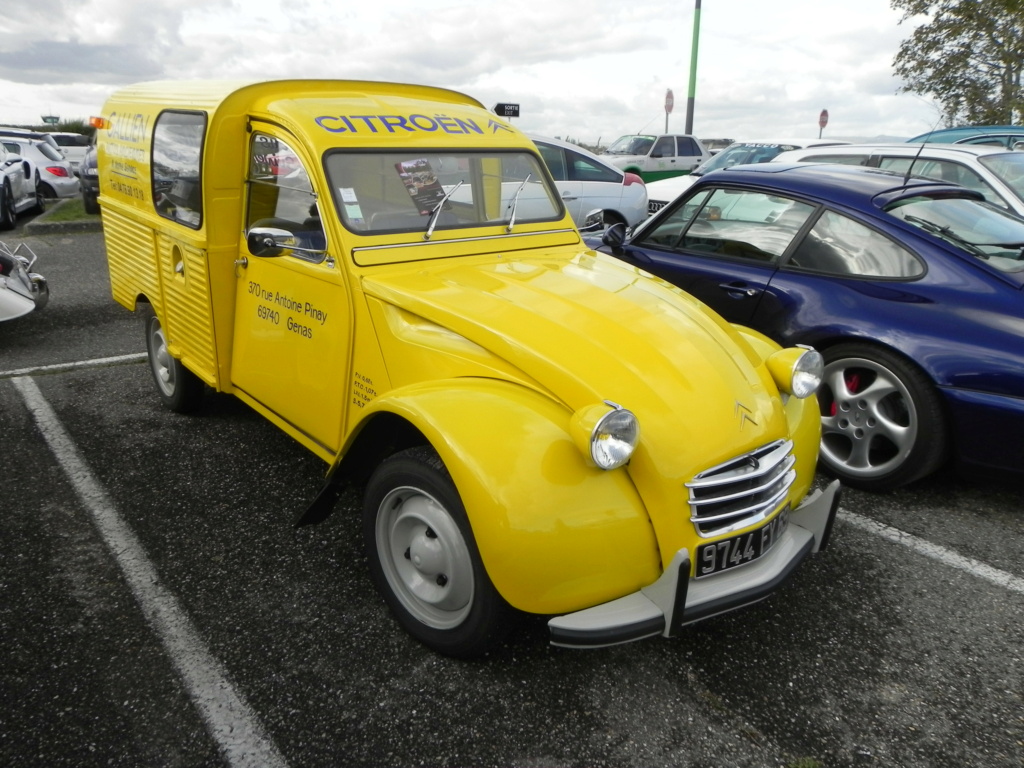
(26, 133)
(995, 172)
(714, 146)
(586, 182)
(911, 290)
(17, 192)
(73, 146)
(89, 179)
(999, 135)
(661, 193)
(51, 175)
(653, 157)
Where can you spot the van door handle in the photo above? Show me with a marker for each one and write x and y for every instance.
(242, 262)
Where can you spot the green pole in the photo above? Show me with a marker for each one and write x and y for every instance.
(693, 68)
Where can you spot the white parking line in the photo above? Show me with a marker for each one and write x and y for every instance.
(61, 367)
(233, 725)
(934, 551)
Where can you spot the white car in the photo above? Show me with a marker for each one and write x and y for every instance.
(587, 182)
(653, 157)
(73, 146)
(661, 193)
(995, 172)
(17, 192)
(48, 171)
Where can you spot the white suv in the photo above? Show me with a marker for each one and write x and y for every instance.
(996, 172)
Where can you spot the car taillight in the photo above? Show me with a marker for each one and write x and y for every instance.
(57, 170)
(632, 178)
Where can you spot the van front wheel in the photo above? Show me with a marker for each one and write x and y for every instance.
(424, 560)
(179, 389)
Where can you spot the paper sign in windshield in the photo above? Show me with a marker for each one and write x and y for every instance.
(421, 181)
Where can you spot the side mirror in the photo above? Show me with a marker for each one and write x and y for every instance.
(269, 241)
(275, 241)
(614, 236)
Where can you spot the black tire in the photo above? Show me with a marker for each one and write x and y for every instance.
(424, 560)
(179, 389)
(90, 203)
(8, 208)
(40, 205)
(882, 421)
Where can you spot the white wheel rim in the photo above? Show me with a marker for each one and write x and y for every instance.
(425, 558)
(160, 359)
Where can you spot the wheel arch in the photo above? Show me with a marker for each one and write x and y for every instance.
(825, 343)
(554, 534)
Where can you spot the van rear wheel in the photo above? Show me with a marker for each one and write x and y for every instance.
(179, 389)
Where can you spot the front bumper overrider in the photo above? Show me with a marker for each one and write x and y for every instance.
(675, 599)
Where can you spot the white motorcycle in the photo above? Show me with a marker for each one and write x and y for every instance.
(21, 289)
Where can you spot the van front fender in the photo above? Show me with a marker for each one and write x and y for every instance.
(555, 534)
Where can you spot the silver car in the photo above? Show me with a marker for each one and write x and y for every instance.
(587, 182)
(51, 174)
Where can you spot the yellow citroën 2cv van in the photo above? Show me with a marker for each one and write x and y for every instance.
(387, 273)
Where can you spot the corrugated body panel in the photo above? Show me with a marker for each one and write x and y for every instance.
(131, 257)
(188, 317)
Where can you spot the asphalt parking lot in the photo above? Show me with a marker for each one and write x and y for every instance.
(157, 608)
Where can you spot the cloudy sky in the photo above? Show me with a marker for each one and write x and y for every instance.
(587, 69)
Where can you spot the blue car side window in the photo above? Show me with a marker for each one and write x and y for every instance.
(838, 245)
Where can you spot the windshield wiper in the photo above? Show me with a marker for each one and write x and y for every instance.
(515, 202)
(436, 212)
(946, 232)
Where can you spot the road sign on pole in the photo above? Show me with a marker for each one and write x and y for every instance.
(506, 110)
(822, 121)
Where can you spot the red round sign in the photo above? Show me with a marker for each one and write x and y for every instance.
(669, 101)
(823, 118)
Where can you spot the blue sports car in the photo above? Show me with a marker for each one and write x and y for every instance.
(911, 289)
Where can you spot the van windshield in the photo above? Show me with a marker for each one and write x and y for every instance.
(393, 192)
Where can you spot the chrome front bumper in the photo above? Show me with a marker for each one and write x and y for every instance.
(675, 599)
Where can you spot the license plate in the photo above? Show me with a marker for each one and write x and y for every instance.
(740, 550)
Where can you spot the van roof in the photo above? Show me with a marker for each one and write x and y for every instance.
(362, 113)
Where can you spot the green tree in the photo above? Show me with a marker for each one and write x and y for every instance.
(967, 55)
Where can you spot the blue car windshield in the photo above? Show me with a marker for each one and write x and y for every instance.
(979, 228)
(742, 154)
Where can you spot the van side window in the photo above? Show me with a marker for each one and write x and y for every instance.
(281, 195)
(177, 163)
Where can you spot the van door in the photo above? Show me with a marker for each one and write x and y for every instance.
(292, 319)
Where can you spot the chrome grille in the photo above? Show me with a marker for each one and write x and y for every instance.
(742, 491)
(653, 206)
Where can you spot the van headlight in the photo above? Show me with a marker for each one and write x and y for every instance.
(606, 433)
(797, 371)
